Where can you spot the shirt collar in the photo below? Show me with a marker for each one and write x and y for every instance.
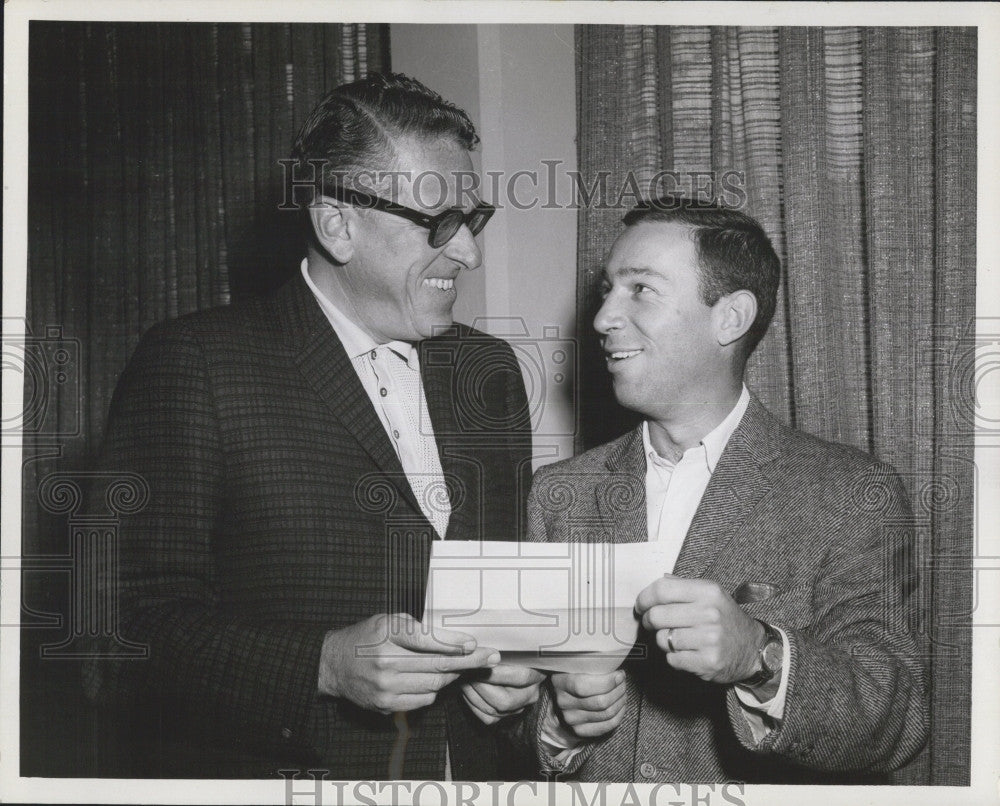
(712, 444)
(356, 342)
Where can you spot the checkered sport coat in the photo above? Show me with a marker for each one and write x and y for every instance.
(823, 530)
(279, 510)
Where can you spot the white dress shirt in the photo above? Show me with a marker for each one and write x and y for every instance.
(673, 493)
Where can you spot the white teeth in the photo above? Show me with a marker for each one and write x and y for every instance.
(440, 282)
(620, 354)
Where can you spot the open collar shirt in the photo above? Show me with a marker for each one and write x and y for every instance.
(390, 374)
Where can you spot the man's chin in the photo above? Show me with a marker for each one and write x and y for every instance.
(435, 326)
(621, 392)
(629, 397)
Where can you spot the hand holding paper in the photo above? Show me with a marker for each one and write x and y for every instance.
(709, 635)
(591, 705)
(392, 663)
(502, 691)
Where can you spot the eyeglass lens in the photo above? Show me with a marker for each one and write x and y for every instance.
(449, 224)
(477, 220)
(446, 228)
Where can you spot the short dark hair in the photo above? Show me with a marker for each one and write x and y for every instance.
(354, 126)
(734, 253)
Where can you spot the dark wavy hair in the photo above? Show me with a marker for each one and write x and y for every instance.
(734, 253)
(355, 125)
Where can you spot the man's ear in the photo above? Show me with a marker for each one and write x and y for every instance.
(334, 224)
(735, 314)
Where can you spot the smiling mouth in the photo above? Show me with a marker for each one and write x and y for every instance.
(621, 355)
(441, 283)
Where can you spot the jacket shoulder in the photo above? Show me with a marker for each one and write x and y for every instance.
(840, 475)
(237, 323)
(594, 460)
(801, 446)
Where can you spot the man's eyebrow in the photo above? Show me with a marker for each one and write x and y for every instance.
(629, 271)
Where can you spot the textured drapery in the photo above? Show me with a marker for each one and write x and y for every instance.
(857, 148)
(154, 184)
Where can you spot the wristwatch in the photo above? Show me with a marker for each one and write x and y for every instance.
(771, 654)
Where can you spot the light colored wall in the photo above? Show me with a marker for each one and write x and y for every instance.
(517, 82)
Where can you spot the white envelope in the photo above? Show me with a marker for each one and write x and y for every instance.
(564, 607)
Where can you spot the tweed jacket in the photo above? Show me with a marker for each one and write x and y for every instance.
(277, 511)
(824, 530)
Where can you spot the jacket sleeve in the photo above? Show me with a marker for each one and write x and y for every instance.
(856, 696)
(259, 679)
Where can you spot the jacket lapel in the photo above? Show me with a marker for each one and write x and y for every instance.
(438, 365)
(739, 482)
(621, 500)
(323, 361)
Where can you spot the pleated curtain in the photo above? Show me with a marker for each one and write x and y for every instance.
(154, 174)
(855, 148)
(154, 187)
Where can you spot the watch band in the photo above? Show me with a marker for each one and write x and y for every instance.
(771, 636)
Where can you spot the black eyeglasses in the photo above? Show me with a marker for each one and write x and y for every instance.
(442, 226)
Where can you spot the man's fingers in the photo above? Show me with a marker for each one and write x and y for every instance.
(663, 616)
(412, 662)
(577, 715)
(684, 661)
(482, 709)
(595, 703)
(591, 730)
(517, 676)
(506, 699)
(590, 723)
(421, 683)
(681, 639)
(669, 589)
(407, 632)
(491, 703)
(587, 685)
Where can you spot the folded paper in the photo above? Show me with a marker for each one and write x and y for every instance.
(564, 607)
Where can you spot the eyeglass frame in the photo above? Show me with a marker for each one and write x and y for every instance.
(432, 223)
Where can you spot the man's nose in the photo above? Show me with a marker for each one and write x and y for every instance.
(462, 248)
(609, 316)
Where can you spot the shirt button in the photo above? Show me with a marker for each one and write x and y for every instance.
(395, 433)
(383, 391)
(373, 355)
(286, 733)
(647, 770)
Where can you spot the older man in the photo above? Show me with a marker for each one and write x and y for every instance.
(776, 635)
(301, 451)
